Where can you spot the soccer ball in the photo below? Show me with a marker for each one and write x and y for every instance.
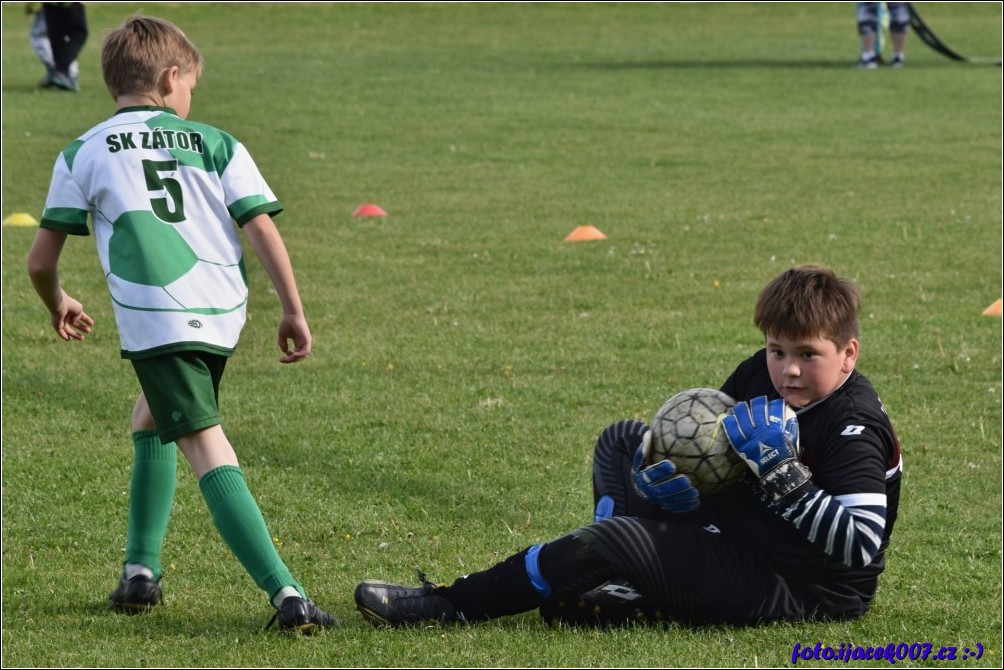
(687, 429)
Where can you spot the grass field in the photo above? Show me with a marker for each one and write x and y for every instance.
(466, 357)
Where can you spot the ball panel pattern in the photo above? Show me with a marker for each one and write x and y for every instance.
(687, 429)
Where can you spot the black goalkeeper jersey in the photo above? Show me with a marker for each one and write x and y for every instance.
(849, 444)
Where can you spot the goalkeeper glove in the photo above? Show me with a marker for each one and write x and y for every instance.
(767, 441)
(660, 484)
(604, 508)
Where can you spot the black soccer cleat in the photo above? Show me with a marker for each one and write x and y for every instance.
(300, 615)
(136, 595)
(613, 604)
(384, 604)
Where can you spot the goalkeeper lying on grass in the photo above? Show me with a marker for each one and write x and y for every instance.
(801, 535)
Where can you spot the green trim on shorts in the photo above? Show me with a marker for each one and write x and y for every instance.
(182, 389)
(175, 348)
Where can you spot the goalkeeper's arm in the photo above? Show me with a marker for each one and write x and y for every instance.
(847, 527)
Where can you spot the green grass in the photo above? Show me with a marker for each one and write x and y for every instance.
(466, 357)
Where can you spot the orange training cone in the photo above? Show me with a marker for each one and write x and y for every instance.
(584, 233)
(994, 309)
(369, 210)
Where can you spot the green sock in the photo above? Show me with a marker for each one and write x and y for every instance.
(240, 523)
(151, 494)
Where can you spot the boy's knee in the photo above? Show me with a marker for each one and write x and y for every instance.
(626, 433)
(899, 17)
(142, 418)
(867, 17)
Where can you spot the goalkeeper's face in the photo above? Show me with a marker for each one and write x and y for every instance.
(808, 369)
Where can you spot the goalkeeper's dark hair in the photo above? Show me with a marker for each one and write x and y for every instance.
(809, 301)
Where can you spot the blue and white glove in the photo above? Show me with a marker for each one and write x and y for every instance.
(660, 484)
(767, 440)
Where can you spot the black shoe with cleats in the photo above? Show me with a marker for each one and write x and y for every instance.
(136, 595)
(299, 615)
(613, 604)
(384, 604)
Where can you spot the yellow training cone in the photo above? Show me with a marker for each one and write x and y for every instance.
(21, 220)
(584, 233)
(994, 309)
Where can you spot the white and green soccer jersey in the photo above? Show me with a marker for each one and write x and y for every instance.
(163, 194)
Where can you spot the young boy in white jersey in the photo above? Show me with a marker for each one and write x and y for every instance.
(163, 194)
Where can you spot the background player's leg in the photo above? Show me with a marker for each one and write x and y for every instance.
(66, 24)
(868, 26)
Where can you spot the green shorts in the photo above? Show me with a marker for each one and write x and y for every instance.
(183, 390)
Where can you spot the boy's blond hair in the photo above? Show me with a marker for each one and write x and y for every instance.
(809, 301)
(134, 55)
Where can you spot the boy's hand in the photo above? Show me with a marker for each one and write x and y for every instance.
(70, 321)
(767, 441)
(293, 327)
(660, 484)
